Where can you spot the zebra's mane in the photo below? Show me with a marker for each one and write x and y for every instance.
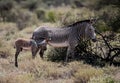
(78, 22)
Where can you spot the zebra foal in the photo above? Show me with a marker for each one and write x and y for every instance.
(22, 44)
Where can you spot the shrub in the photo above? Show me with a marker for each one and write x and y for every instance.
(30, 4)
(40, 14)
(21, 17)
(51, 16)
(77, 3)
(69, 18)
(115, 24)
(5, 7)
(101, 4)
(24, 18)
(56, 54)
(102, 26)
(110, 18)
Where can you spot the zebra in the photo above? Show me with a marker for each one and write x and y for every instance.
(21, 44)
(68, 36)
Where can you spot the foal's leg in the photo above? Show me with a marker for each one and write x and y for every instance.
(16, 56)
(34, 52)
(41, 53)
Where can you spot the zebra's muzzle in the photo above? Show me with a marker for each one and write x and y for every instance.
(94, 40)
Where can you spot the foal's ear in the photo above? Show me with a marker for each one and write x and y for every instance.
(93, 21)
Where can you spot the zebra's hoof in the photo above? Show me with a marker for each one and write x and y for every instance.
(65, 63)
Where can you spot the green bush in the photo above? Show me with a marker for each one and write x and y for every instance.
(51, 16)
(101, 3)
(56, 54)
(5, 7)
(22, 17)
(102, 26)
(30, 4)
(110, 14)
(6, 4)
(115, 23)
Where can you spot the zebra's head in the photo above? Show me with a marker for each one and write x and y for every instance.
(90, 31)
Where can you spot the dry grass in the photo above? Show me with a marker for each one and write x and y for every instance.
(86, 74)
(35, 71)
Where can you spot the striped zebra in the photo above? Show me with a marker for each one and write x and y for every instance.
(68, 36)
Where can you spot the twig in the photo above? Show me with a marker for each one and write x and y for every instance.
(108, 45)
(111, 49)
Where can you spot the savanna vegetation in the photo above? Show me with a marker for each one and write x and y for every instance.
(19, 18)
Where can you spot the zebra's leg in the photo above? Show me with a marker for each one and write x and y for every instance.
(16, 56)
(21, 49)
(34, 52)
(42, 50)
(41, 53)
(70, 52)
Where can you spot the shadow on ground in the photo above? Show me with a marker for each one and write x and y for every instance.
(86, 57)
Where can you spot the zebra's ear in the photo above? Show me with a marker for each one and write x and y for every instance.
(93, 21)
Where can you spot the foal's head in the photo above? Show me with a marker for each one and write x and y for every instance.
(34, 47)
